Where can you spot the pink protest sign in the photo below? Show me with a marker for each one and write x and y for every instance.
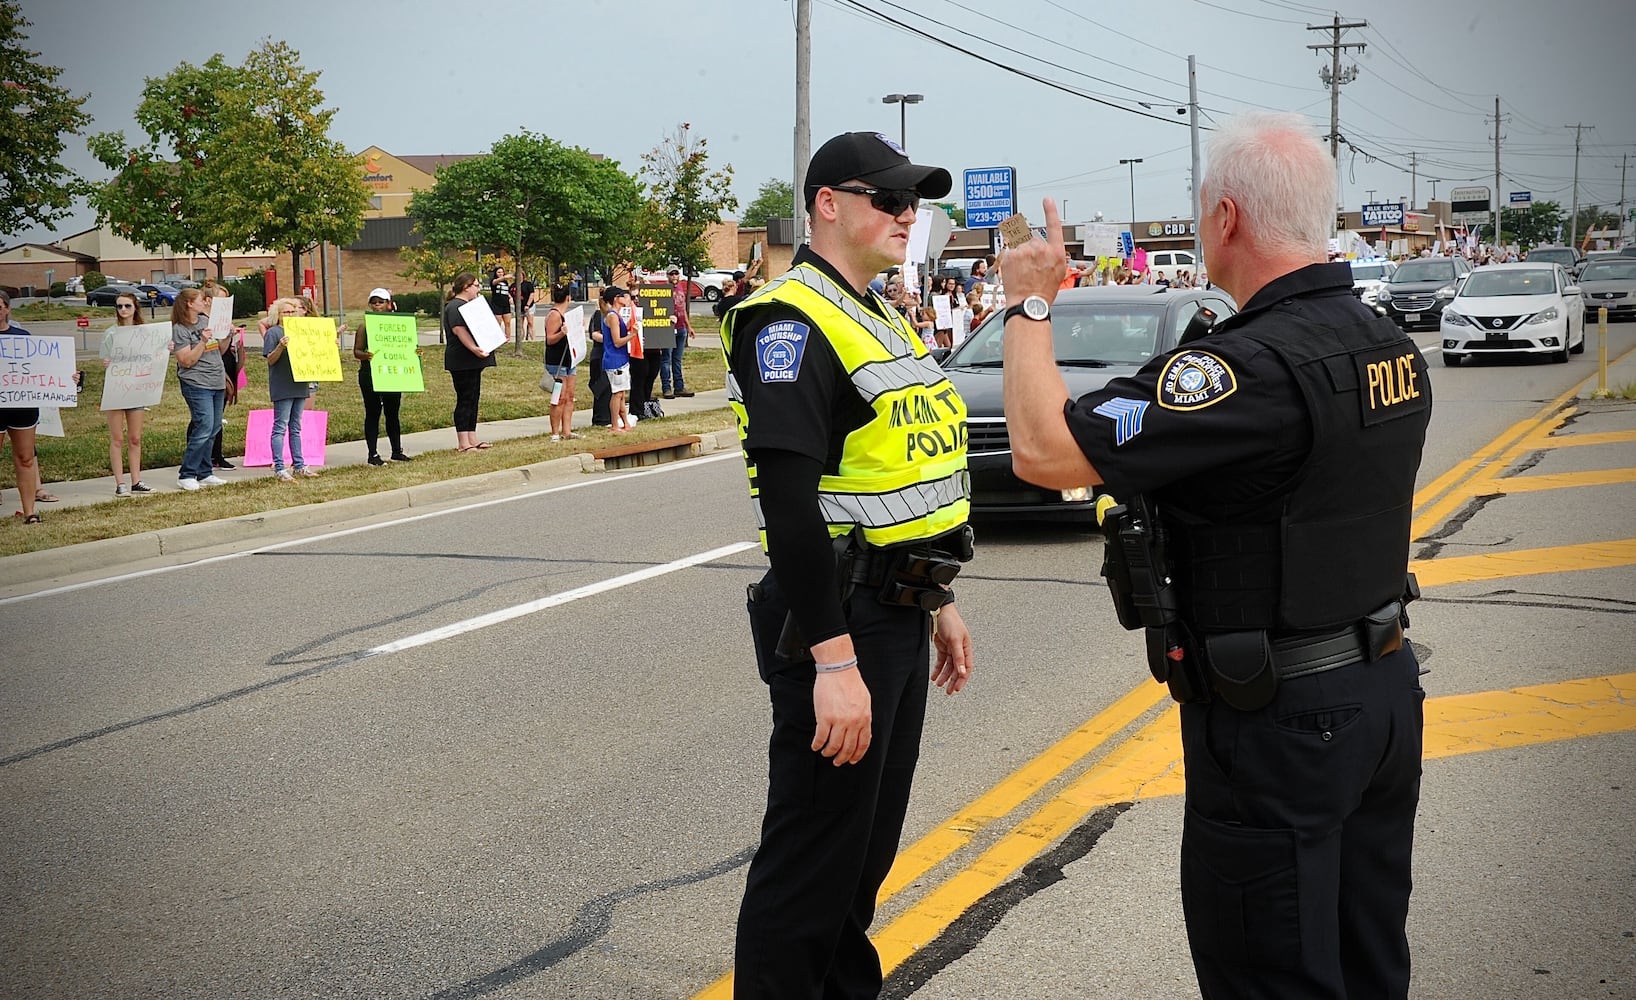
(1139, 261)
(258, 438)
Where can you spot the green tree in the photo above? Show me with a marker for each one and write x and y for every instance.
(685, 197)
(1528, 227)
(288, 185)
(169, 191)
(775, 199)
(534, 197)
(434, 266)
(35, 116)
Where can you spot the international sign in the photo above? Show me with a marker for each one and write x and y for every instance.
(1469, 199)
(991, 196)
(1522, 199)
(1382, 214)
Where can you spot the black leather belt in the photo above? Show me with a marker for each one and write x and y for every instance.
(1302, 655)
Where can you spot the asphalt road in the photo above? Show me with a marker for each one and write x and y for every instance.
(516, 748)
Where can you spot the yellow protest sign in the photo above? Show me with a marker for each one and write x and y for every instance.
(313, 354)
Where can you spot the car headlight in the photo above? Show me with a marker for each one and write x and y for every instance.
(1384, 296)
(1446, 292)
(1453, 318)
(1544, 316)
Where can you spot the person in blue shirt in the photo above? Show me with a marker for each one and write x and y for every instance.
(616, 355)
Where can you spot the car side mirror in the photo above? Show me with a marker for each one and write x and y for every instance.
(940, 354)
(1571, 290)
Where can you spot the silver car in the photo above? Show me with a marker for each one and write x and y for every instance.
(1610, 282)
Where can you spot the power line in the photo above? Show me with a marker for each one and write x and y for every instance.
(1245, 13)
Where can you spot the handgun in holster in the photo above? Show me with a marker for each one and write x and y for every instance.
(790, 644)
(1138, 575)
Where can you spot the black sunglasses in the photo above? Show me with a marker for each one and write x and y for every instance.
(892, 202)
(124, 305)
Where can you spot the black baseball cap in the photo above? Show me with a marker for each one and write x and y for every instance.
(875, 160)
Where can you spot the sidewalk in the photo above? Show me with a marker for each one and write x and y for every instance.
(163, 479)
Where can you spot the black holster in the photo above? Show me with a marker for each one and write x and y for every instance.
(790, 644)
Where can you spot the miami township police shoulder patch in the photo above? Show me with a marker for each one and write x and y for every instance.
(1193, 380)
(779, 348)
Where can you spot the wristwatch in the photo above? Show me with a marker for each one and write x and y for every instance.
(1034, 307)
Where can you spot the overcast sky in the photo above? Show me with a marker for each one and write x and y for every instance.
(420, 77)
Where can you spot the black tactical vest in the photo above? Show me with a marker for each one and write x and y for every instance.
(1332, 545)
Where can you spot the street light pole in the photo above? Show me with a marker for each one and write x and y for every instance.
(1132, 164)
(903, 101)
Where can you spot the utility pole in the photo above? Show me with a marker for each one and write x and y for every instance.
(1622, 159)
(1498, 242)
(803, 115)
(1573, 223)
(1198, 204)
(1414, 168)
(1333, 76)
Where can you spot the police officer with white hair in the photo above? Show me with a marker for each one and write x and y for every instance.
(1270, 462)
(854, 440)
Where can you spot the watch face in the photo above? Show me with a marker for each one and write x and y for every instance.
(1035, 307)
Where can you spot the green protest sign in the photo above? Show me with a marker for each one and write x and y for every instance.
(393, 364)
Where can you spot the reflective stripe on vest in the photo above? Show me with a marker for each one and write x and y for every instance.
(902, 477)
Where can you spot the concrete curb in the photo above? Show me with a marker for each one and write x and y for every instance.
(86, 557)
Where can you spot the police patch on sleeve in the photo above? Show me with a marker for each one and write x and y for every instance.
(1193, 380)
(779, 347)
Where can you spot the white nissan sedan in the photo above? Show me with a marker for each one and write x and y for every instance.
(1523, 308)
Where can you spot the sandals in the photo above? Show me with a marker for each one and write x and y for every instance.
(465, 448)
(31, 519)
(482, 446)
(41, 496)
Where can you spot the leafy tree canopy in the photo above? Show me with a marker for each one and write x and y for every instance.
(775, 199)
(35, 116)
(685, 197)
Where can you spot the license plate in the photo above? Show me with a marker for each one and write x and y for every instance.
(1411, 317)
(1496, 335)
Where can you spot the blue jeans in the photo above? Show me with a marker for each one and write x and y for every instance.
(204, 408)
(670, 363)
(287, 417)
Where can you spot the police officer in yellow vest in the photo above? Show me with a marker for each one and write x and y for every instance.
(1276, 456)
(856, 448)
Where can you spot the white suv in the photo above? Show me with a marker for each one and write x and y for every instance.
(1166, 263)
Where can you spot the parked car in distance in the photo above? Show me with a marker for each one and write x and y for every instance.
(1610, 282)
(1368, 276)
(105, 295)
(1568, 257)
(163, 294)
(662, 277)
(1415, 294)
(1525, 308)
(75, 285)
(1166, 263)
(1099, 333)
(712, 281)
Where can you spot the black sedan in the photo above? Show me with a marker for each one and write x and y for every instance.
(105, 294)
(1099, 334)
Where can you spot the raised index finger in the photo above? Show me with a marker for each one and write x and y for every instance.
(1053, 226)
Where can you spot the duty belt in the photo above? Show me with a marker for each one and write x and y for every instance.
(1313, 653)
(916, 575)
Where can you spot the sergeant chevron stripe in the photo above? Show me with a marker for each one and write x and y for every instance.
(1126, 415)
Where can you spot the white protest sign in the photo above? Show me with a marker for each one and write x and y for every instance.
(920, 235)
(1101, 239)
(37, 371)
(50, 424)
(485, 329)
(962, 326)
(911, 281)
(573, 322)
(945, 318)
(221, 318)
(138, 361)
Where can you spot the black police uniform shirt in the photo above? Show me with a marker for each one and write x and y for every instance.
(808, 416)
(1219, 423)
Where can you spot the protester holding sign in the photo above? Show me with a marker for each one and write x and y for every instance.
(124, 425)
(375, 403)
(289, 398)
(18, 422)
(464, 360)
(203, 382)
(560, 362)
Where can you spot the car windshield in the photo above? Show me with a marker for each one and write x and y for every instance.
(1609, 270)
(1368, 272)
(1112, 333)
(1423, 270)
(1493, 284)
(1555, 255)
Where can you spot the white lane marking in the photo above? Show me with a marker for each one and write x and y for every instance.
(578, 593)
(410, 519)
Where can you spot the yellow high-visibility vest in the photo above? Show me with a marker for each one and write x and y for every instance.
(902, 476)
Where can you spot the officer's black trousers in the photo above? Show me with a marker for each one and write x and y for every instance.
(1298, 833)
(830, 833)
